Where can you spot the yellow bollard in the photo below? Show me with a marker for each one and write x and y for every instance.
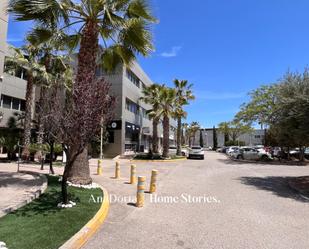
(133, 172)
(117, 170)
(140, 197)
(99, 168)
(153, 181)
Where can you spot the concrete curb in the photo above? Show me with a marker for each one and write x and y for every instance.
(31, 196)
(159, 161)
(83, 235)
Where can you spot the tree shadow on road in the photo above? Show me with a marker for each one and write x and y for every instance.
(256, 163)
(278, 185)
(8, 179)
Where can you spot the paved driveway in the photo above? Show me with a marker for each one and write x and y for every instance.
(243, 206)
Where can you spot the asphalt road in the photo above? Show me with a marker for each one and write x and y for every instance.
(241, 206)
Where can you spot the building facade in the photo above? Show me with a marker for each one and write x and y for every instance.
(131, 128)
(256, 137)
(12, 87)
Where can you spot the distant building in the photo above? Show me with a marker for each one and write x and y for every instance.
(12, 87)
(254, 138)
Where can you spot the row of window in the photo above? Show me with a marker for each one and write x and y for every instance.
(136, 109)
(134, 79)
(19, 72)
(12, 103)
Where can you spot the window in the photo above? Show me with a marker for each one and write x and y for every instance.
(144, 113)
(22, 105)
(6, 101)
(133, 78)
(143, 86)
(12, 103)
(257, 136)
(131, 106)
(15, 103)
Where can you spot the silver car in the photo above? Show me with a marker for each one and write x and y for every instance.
(196, 152)
(248, 153)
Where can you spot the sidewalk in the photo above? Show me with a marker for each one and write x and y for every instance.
(18, 189)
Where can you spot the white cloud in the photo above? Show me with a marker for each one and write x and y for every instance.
(172, 53)
(207, 95)
(14, 39)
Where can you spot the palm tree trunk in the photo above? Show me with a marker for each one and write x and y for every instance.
(51, 153)
(79, 173)
(28, 114)
(166, 135)
(155, 144)
(179, 136)
(89, 46)
(40, 136)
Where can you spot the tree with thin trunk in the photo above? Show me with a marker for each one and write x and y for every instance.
(27, 58)
(183, 96)
(224, 127)
(184, 127)
(152, 97)
(215, 138)
(201, 138)
(166, 110)
(123, 26)
(194, 127)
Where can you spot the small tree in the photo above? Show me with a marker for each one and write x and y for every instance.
(75, 133)
(215, 139)
(224, 128)
(201, 138)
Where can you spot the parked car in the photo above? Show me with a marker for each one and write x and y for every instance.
(219, 149)
(196, 152)
(184, 152)
(173, 151)
(249, 153)
(275, 151)
(231, 149)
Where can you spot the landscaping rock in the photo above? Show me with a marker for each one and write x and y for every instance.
(3, 245)
(89, 186)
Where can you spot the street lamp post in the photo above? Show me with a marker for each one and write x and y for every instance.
(101, 139)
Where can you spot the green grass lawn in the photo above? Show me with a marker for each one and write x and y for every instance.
(41, 225)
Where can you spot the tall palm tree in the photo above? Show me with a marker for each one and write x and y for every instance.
(27, 58)
(183, 96)
(123, 26)
(49, 41)
(166, 110)
(194, 127)
(184, 129)
(152, 97)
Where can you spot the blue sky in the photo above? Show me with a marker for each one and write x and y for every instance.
(224, 47)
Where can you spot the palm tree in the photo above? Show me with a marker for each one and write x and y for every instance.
(193, 128)
(225, 128)
(152, 97)
(27, 58)
(183, 96)
(184, 129)
(123, 26)
(166, 110)
(49, 41)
